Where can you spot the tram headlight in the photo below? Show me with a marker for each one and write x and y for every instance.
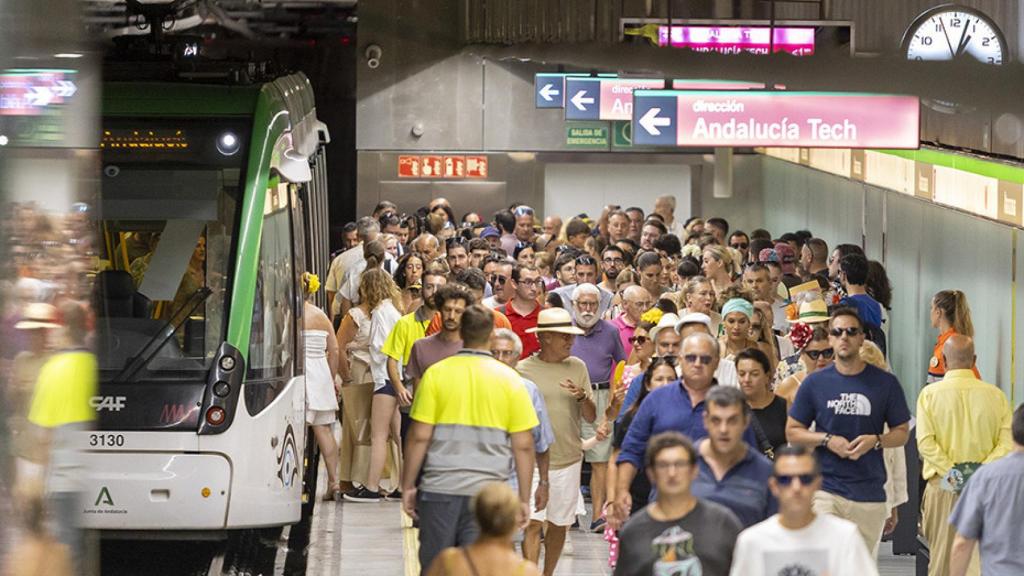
(221, 389)
(215, 416)
(228, 143)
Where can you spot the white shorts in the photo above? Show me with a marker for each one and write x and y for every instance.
(563, 495)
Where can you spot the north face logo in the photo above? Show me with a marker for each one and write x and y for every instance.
(851, 404)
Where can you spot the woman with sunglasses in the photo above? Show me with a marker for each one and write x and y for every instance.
(815, 354)
(524, 252)
(660, 372)
(641, 354)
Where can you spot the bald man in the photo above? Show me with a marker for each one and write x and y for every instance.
(960, 419)
(553, 226)
(635, 301)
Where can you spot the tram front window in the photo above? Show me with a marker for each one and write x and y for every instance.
(162, 282)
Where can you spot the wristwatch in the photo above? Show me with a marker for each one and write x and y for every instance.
(878, 441)
(825, 441)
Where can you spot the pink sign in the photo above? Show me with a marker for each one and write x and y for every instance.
(698, 84)
(617, 96)
(736, 39)
(805, 119)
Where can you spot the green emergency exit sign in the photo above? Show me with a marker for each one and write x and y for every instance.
(586, 135)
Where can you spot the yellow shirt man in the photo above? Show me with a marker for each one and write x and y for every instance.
(961, 419)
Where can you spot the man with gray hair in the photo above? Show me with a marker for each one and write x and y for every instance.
(677, 406)
(367, 230)
(600, 349)
(507, 347)
(665, 206)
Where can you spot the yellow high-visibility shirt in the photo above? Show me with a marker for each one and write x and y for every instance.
(63, 389)
(961, 419)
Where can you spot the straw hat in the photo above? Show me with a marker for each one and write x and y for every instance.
(555, 320)
(38, 315)
(811, 312)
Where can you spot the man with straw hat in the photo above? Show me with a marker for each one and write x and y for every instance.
(565, 383)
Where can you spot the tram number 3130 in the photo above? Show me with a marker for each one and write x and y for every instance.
(106, 440)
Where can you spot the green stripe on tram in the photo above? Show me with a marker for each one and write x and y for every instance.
(269, 122)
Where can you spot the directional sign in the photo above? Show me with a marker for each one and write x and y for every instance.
(617, 95)
(582, 98)
(654, 118)
(549, 88)
(26, 92)
(782, 119)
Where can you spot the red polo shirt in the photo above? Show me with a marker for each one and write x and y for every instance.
(519, 325)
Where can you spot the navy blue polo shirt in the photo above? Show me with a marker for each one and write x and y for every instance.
(667, 408)
(743, 489)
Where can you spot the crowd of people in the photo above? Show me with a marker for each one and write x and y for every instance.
(722, 398)
(47, 374)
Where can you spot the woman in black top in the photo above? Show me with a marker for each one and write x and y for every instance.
(661, 371)
(753, 370)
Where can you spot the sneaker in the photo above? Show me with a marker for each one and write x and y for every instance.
(395, 496)
(362, 495)
(598, 525)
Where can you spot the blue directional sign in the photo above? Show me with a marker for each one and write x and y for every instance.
(549, 90)
(582, 98)
(654, 118)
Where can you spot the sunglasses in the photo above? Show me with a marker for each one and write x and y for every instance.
(703, 358)
(523, 211)
(827, 354)
(740, 245)
(851, 332)
(498, 279)
(586, 261)
(638, 340)
(787, 479)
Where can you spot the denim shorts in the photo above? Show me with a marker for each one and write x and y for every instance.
(388, 389)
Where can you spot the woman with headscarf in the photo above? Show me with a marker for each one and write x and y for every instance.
(736, 316)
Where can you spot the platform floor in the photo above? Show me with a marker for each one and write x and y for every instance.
(355, 539)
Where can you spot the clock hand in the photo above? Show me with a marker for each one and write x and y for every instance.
(946, 34)
(965, 39)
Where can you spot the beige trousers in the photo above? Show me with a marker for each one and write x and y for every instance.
(936, 506)
(868, 516)
(354, 448)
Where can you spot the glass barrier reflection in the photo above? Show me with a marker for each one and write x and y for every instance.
(48, 170)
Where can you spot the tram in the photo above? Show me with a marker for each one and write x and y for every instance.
(212, 204)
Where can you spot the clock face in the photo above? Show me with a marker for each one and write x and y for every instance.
(952, 32)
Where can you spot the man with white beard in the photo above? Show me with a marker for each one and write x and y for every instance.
(600, 348)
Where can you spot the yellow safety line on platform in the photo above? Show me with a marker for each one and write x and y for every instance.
(410, 545)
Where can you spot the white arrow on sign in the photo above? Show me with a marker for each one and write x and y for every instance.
(651, 122)
(39, 96)
(64, 88)
(579, 101)
(548, 91)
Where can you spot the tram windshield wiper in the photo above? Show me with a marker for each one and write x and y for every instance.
(161, 338)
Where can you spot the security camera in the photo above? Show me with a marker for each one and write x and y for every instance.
(111, 171)
(373, 55)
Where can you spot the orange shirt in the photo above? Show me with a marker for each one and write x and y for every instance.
(937, 364)
(500, 321)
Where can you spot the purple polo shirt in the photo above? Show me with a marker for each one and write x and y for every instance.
(625, 333)
(600, 349)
